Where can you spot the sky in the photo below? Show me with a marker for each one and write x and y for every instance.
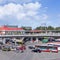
(31, 13)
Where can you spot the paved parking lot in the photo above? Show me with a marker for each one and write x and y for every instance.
(28, 55)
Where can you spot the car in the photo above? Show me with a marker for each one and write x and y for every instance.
(31, 47)
(36, 50)
(6, 48)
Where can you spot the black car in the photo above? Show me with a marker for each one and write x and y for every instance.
(36, 50)
(31, 47)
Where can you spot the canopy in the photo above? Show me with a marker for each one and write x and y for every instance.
(45, 40)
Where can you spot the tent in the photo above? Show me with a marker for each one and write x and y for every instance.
(44, 40)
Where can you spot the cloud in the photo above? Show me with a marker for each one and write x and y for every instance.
(29, 14)
(14, 1)
(20, 11)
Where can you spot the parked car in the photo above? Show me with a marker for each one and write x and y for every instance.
(36, 50)
(31, 47)
(6, 48)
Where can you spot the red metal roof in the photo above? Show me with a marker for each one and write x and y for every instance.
(10, 28)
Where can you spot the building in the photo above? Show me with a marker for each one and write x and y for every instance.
(11, 30)
(15, 30)
(42, 31)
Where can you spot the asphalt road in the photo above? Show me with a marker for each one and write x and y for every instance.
(28, 55)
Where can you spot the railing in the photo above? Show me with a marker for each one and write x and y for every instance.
(41, 34)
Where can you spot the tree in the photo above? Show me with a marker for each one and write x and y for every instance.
(57, 28)
(26, 28)
(45, 28)
(41, 28)
(38, 28)
(50, 28)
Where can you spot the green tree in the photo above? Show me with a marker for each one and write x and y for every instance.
(45, 28)
(57, 28)
(26, 28)
(41, 28)
(50, 28)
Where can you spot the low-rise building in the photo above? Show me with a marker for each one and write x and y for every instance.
(11, 30)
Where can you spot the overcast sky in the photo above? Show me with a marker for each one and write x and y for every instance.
(30, 12)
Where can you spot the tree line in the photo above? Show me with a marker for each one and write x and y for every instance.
(42, 28)
(47, 28)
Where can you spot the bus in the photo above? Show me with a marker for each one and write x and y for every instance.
(47, 48)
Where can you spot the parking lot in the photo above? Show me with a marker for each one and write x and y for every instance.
(28, 55)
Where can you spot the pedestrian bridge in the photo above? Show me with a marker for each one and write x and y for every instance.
(33, 35)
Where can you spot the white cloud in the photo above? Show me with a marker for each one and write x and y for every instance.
(24, 14)
(15, 1)
(32, 6)
(21, 15)
(19, 11)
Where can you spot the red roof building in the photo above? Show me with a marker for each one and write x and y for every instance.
(6, 28)
(10, 30)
